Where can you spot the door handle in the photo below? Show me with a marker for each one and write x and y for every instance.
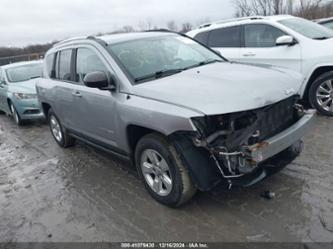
(76, 93)
(249, 54)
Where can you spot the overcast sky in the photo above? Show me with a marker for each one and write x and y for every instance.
(24, 22)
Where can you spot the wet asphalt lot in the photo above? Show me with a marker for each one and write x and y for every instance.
(80, 194)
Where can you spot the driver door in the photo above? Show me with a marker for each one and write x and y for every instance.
(260, 47)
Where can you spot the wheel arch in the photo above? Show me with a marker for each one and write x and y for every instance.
(314, 75)
(45, 107)
(135, 132)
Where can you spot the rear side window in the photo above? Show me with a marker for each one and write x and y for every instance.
(202, 37)
(63, 70)
(87, 61)
(226, 37)
(50, 65)
(261, 35)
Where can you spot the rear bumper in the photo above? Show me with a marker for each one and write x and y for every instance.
(274, 145)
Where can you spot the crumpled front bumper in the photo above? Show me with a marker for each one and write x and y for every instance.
(274, 145)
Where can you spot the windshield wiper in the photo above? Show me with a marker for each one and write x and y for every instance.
(168, 72)
(34, 77)
(159, 74)
(202, 63)
(321, 38)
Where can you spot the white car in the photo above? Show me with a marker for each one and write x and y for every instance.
(285, 41)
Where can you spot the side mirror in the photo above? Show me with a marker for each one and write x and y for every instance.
(99, 80)
(285, 40)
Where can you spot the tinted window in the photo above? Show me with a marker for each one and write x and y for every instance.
(87, 61)
(24, 73)
(50, 65)
(226, 37)
(261, 35)
(202, 37)
(63, 71)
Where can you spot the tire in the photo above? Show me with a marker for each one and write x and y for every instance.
(15, 115)
(323, 87)
(181, 188)
(58, 131)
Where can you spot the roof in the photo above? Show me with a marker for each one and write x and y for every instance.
(244, 20)
(116, 38)
(22, 63)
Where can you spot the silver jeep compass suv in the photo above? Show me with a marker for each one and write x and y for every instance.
(187, 118)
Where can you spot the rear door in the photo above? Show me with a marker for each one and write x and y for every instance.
(227, 41)
(64, 105)
(260, 47)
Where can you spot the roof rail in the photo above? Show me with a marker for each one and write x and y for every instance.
(70, 39)
(231, 20)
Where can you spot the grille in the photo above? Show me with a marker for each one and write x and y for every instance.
(277, 117)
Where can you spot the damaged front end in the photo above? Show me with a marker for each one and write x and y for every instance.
(244, 147)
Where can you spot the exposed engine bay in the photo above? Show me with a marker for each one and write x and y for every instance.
(232, 141)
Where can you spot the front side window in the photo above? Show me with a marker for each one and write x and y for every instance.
(87, 62)
(147, 56)
(261, 35)
(225, 38)
(24, 72)
(307, 28)
(63, 70)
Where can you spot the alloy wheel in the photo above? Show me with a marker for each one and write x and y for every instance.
(324, 95)
(15, 115)
(156, 172)
(55, 128)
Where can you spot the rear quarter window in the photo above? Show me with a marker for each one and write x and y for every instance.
(50, 65)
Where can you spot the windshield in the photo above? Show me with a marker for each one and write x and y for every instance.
(307, 28)
(150, 58)
(23, 73)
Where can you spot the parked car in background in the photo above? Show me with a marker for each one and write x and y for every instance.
(285, 41)
(18, 96)
(327, 22)
(185, 116)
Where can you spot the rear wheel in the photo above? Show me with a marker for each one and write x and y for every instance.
(321, 94)
(162, 171)
(16, 116)
(58, 131)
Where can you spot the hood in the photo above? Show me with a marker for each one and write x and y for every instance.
(222, 88)
(28, 86)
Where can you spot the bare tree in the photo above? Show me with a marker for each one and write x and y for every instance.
(310, 9)
(260, 7)
(186, 27)
(128, 29)
(172, 25)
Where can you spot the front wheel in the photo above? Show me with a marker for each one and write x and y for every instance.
(58, 131)
(162, 171)
(321, 94)
(15, 115)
